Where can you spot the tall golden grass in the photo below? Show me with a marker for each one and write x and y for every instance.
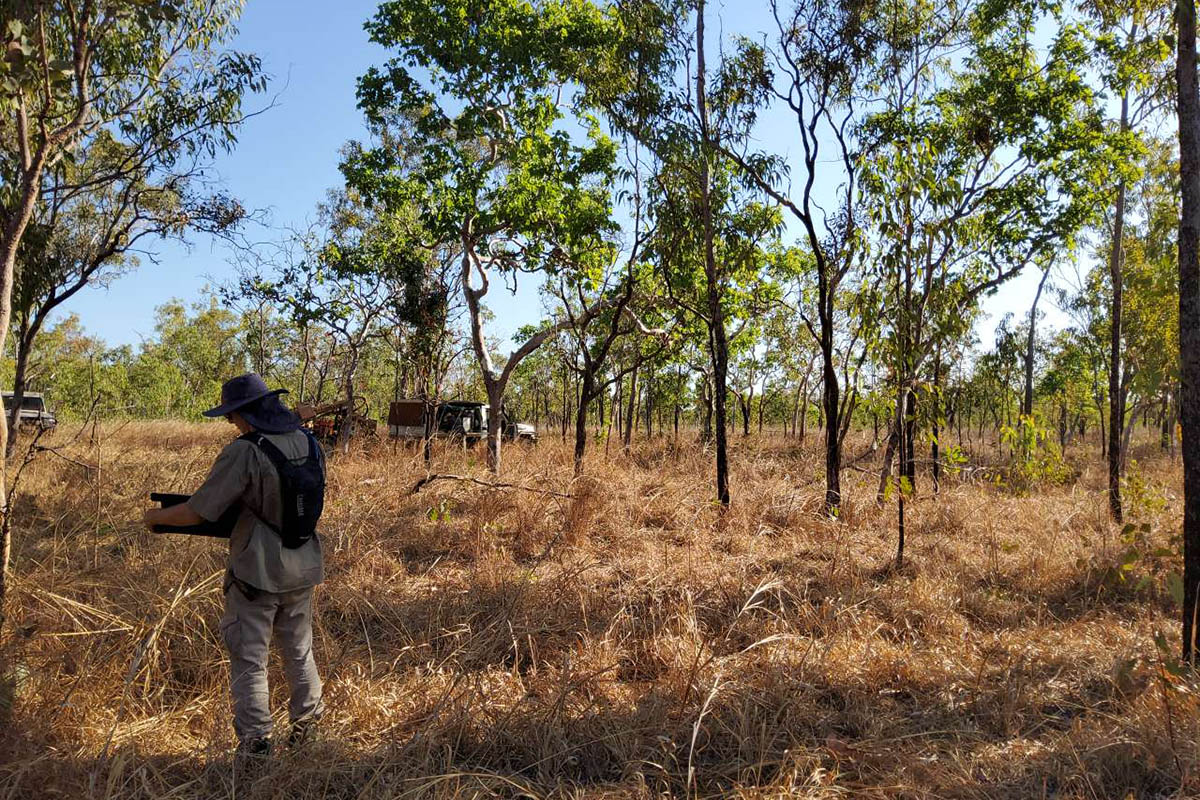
(626, 641)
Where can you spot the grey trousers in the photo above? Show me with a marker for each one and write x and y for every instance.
(246, 628)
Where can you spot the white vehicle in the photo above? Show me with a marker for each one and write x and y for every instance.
(406, 420)
(33, 410)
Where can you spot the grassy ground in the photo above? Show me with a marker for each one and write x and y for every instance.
(627, 641)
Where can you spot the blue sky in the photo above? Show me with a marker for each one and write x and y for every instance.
(287, 157)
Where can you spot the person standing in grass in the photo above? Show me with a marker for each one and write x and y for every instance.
(275, 469)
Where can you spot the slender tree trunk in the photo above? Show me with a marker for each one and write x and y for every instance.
(586, 393)
(614, 416)
(1126, 438)
(795, 415)
(889, 454)
(650, 405)
(618, 405)
(599, 411)
(1031, 340)
(15, 222)
(631, 417)
(908, 446)
(936, 398)
(24, 345)
(1063, 427)
(804, 412)
(306, 349)
(1189, 310)
(716, 319)
(958, 419)
(902, 400)
(1116, 410)
(678, 392)
(1164, 423)
(348, 418)
(831, 398)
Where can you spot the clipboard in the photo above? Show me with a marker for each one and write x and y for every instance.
(222, 528)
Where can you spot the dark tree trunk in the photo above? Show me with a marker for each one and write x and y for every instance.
(587, 392)
(1164, 422)
(1116, 397)
(909, 461)
(24, 342)
(1031, 340)
(631, 416)
(831, 404)
(936, 398)
(1189, 310)
(618, 406)
(650, 405)
(716, 317)
(1062, 427)
(804, 412)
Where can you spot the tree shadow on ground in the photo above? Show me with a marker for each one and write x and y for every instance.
(790, 729)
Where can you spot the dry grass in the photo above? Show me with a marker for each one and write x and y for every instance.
(627, 642)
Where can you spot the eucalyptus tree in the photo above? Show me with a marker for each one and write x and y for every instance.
(653, 84)
(980, 167)
(1132, 56)
(468, 117)
(814, 64)
(1150, 329)
(94, 220)
(153, 74)
(593, 337)
(715, 273)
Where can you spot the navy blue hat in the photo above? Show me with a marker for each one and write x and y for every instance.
(249, 396)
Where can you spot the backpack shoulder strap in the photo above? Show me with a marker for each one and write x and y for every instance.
(277, 459)
(314, 449)
(269, 449)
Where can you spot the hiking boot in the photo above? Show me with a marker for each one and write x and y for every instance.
(301, 732)
(253, 752)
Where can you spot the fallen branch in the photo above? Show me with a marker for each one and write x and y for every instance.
(428, 479)
(54, 451)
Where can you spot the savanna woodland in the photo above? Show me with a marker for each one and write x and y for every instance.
(780, 398)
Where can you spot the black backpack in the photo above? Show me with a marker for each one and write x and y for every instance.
(302, 487)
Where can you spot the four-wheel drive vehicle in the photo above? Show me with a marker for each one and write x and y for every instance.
(33, 410)
(469, 420)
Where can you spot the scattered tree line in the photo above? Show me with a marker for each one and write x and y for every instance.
(611, 155)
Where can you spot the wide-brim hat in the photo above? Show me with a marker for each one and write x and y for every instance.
(241, 391)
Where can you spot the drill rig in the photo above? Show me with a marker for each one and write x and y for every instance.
(329, 420)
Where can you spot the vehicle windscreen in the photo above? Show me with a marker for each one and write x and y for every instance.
(27, 403)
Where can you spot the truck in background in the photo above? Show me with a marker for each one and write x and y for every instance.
(452, 419)
(34, 413)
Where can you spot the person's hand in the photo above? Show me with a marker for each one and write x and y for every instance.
(150, 517)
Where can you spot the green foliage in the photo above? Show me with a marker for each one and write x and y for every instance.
(470, 132)
(1034, 460)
